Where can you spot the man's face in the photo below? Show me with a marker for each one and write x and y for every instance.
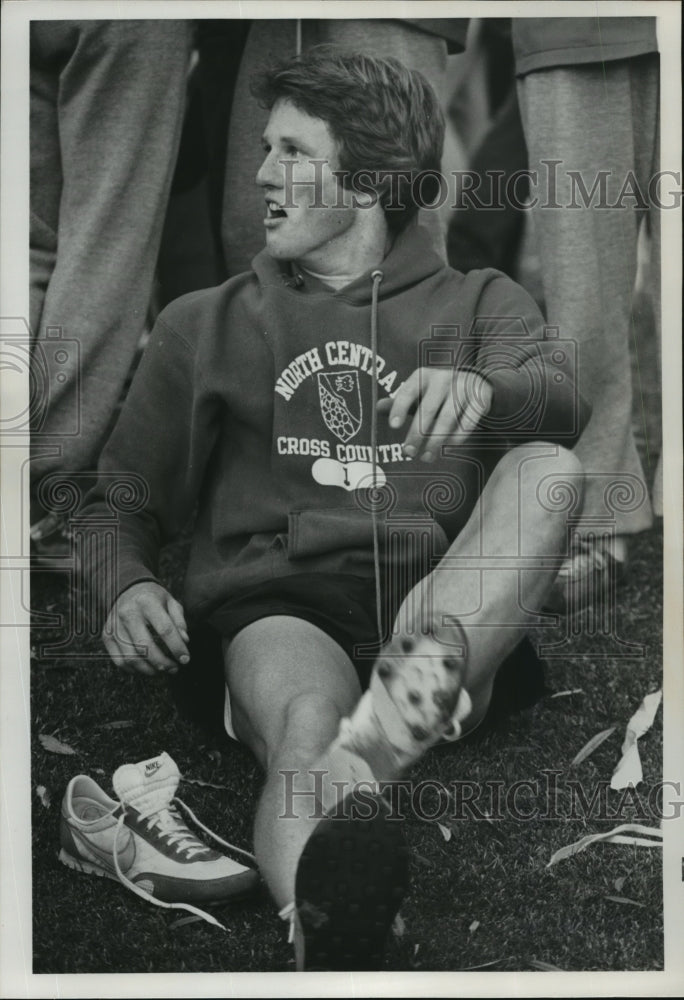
(301, 221)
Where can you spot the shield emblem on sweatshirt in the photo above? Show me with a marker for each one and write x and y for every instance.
(339, 394)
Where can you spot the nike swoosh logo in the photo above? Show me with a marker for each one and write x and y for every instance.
(126, 855)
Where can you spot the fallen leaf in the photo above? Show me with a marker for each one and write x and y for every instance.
(54, 745)
(484, 965)
(624, 899)
(184, 921)
(194, 919)
(415, 949)
(43, 796)
(118, 724)
(628, 771)
(566, 694)
(619, 883)
(206, 784)
(445, 831)
(651, 837)
(589, 747)
(399, 927)
(544, 966)
(473, 927)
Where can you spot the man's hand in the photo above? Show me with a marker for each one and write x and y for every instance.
(448, 405)
(148, 617)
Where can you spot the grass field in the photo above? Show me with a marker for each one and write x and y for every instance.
(484, 898)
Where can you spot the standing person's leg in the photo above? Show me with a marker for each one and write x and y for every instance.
(645, 94)
(582, 117)
(117, 93)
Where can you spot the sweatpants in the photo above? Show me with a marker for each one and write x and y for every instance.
(107, 101)
(592, 118)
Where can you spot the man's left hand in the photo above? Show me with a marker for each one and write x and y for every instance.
(447, 405)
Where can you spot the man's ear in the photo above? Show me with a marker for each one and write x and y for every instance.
(366, 199)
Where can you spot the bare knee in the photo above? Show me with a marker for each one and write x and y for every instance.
(566, 463)
(553, 479)
(560, 482)
(310, 722)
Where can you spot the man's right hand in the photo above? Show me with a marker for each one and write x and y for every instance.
(148, 617)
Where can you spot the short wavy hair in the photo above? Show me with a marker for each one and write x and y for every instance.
(386, 119)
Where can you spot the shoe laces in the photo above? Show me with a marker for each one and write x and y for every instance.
(174, 829)
(587, 553)
(168, 824)
(288, 913)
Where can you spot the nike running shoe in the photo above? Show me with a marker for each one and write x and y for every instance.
(143, 841)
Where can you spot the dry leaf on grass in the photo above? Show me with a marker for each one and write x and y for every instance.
(194, 918)
(484, 965)
(184, 921)
(589, 747)
(649, 836)
(566, 694)
(629, 772)
(619, 883)
(473, 927)
(398, 927)
(544, 966)
(624, 899)
(445, 831)
(206, 784)
(43, 796)
(54, 745)
(117, 724)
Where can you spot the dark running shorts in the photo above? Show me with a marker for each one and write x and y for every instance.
(341, 605)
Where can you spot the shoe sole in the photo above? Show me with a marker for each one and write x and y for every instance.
(177, 894)
(351, 878)
(424, 680)
(81, 865)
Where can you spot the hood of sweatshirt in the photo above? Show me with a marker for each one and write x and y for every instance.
(410, 260)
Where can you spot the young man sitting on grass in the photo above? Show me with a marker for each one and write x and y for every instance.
(375, 445)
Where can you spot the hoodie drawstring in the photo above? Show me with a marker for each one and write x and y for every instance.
(376, 278)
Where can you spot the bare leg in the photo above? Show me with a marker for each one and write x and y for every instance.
(290, 684)
(455, 628)
(497, 573)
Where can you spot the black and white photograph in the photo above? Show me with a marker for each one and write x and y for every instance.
(341, 443)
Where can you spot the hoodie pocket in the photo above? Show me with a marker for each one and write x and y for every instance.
(316, 532)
